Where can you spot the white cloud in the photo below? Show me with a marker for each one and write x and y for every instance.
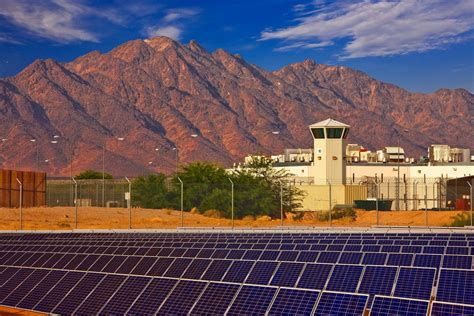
(170, 31)
(172, 24)
(304, 45)
(56, 19)
(381, 28)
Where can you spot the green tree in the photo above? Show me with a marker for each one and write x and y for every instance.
(92, 174)
(150, 191)
(277, 180)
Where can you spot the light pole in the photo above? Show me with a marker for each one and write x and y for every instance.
(182, 208)
(281, 203)
(21, 203)
(103, 169)
(232, 200)
(3, 140)
(33, 140)
(398, 169)
(470, 198)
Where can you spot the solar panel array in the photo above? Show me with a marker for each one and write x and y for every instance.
(238, 273)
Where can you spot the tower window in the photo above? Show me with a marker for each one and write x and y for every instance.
(334, 132)
(318, 132)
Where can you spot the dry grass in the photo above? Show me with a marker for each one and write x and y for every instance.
(62, 218)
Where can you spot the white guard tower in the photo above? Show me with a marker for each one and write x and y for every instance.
(329, 151)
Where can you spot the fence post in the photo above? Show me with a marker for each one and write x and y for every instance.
(330, 203)
(415, 194)
(281, 203)
(470, 197)
(232, 200)
(377, 201)
(75, 202)
(426, 204)
(182, 215)
(21, 203)
(129, 203)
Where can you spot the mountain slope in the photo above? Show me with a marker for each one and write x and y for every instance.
(156, 93)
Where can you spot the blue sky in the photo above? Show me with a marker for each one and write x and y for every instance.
(419, 45)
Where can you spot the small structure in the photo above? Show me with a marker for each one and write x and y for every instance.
(329, 151)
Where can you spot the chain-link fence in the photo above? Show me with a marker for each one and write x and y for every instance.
(363, 202)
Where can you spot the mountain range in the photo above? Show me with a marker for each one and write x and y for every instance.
(139, 106)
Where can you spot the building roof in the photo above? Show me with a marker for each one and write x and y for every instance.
(329, 123)
(394, 150)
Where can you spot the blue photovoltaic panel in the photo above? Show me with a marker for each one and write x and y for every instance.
(457, 262)
(457, 250)
(307, 256)
(101, 294)
(196, 269)
(152, 297)
(252, 300)
(262, 272)
(389, 306)
(433, 261)
(125, 296)
(77, 295)
(287, 274)
(350, 257)
(128, 265)
(36, 294)
(24, 288)
(456, 286)
(238, 271)
(182, 298)
(216, 270)
(328, 257)
(433, 250)
(160, 266)
(375, 258)
(447, 309)
(377, 280)
(344, 278)
(269, 255)
(415, 283)
(56, 294)
(315, 276)
(294, 302)
(400, 259)
(331, 303)
(215, 299)
(178, 267)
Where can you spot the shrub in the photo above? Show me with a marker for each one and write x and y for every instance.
(338, 214)
(461, 220)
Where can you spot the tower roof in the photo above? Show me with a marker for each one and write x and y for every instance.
(329, 123)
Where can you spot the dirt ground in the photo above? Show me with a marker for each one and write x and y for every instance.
(62, 218)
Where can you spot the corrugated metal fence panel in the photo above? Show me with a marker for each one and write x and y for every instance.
(355, 192)
(34, 188)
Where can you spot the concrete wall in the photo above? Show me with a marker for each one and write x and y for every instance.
(323, 197)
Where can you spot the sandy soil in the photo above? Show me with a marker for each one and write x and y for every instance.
(54, 218)
(10, 311)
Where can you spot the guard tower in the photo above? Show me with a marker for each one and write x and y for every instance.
(329, 151)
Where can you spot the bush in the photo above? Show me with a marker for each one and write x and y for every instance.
(461, 220)
(92, 174)
(338, 214)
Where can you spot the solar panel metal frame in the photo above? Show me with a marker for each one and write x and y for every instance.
(403, 299)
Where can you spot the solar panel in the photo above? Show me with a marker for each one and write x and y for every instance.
(196, 269)
(287, 274)
(77, 295)
(415, 283)
(451, 309)
(25, 287)
(102, 293)
(433, 261)
(456, 286)
(334, 303)
(377, 280)
(457, 262)
(328, 257)
(315, 276)
(216, 270)
(375, 258)
(350, 257)
(13, 281)
(294, 302)
(160, 266)
(215, 299)
(344, 278)
(36, 294)
(252, 300)
(182, 298)
(400, 259)
(388, 306)
(262, 272)
(152, 297)
(125, 296)
(178, 267)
